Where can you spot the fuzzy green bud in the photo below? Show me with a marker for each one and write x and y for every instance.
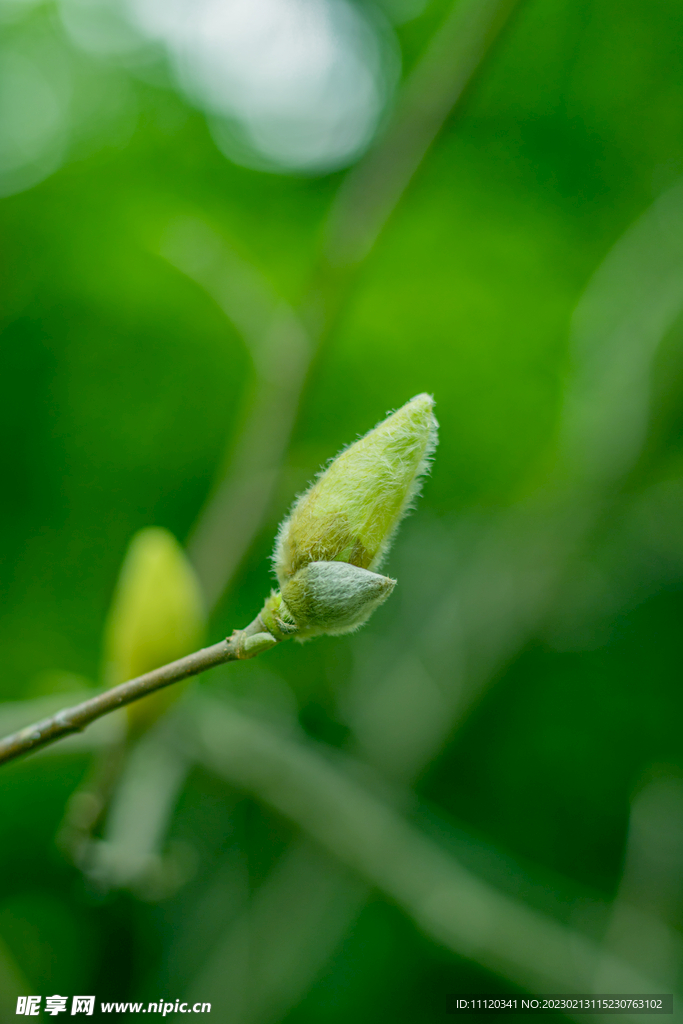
(338, 532)
(334, 597)
(156, 616)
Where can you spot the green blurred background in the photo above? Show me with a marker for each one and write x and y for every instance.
(176, 312)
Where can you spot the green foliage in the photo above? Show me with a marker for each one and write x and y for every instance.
(524, 681)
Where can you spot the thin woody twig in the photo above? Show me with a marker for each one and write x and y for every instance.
(70, 720)
(364, 204)
(446, 69)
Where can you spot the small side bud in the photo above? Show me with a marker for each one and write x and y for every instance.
(333, 597)
(256, 644)
(156, 616)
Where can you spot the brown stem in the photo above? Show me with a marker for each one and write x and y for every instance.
(75, 719)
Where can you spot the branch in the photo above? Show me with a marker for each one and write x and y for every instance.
(373, 189)
(281, 351)
(366, 201)
(454, 907)
(243, 644)
(286, 343)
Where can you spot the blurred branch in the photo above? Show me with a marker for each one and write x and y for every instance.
(12, 985)
(363, 206)
(629, 305)
(508, 584)
(281, 347)
(128, 855)
(372, 190)
(507, 573)
(262, 963)
(650, 896)
(281, 352)
(515, 565)
(452, 906)
(244, 643)
(284, 343)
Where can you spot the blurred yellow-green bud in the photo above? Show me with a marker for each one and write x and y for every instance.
(339, 531)
(156, 616)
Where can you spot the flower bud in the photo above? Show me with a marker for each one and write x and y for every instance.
(156, 616)
(339, 531)
(334, 597)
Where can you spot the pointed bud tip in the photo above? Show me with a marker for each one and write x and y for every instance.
(333, 597)
(351, 512)
(423, 399)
